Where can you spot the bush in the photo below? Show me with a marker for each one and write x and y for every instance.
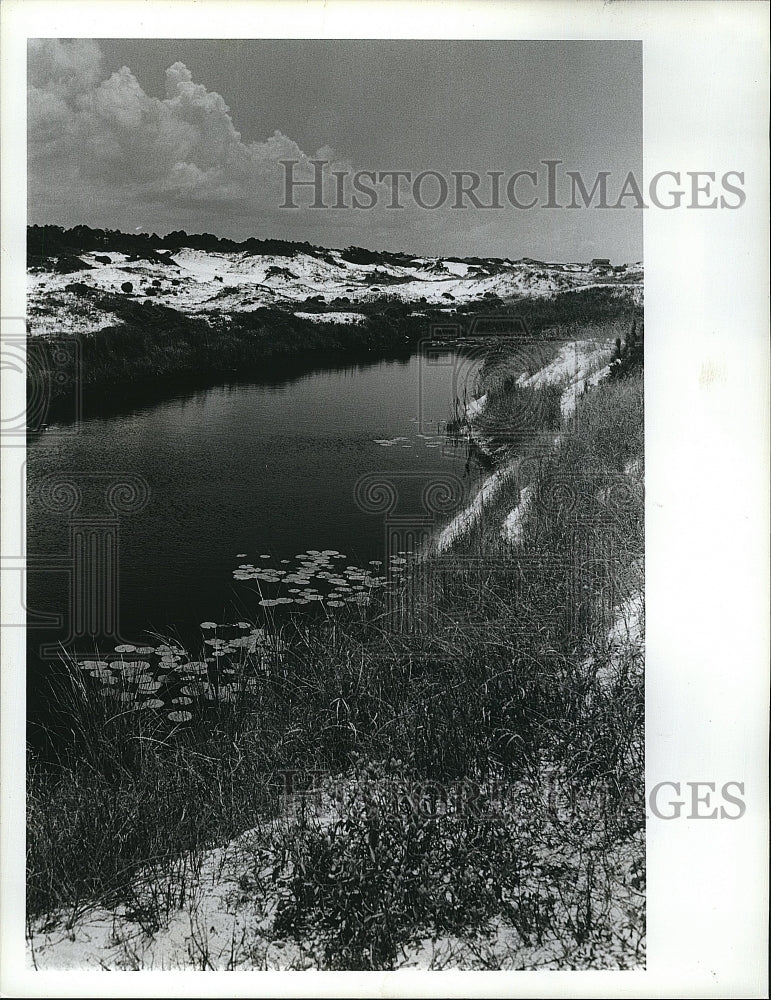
(392, 867)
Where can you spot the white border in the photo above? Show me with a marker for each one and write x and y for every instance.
(707, 465)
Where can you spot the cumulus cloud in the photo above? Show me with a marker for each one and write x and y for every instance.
(95, 138)
(69, 67)
(103, 152)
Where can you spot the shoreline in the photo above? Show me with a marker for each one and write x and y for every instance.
(588, 372)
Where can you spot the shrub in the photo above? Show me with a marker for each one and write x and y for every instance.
(392, 867)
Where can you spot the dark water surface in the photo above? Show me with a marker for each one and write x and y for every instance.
(223, 475)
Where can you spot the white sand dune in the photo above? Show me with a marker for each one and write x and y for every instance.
(197, 282)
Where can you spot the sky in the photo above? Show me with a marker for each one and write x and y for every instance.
(155, 135)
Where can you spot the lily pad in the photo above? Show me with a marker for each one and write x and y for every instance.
(196, 667)
(180, 716)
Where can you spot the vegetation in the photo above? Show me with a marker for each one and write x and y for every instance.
(475, 741)
(153, 342)
(565, 314)
(45, 243)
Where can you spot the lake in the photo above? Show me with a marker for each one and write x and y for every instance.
(251, 473)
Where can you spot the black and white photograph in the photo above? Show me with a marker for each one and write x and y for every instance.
(335, 488)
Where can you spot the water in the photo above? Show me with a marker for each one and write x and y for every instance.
(232, 473)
